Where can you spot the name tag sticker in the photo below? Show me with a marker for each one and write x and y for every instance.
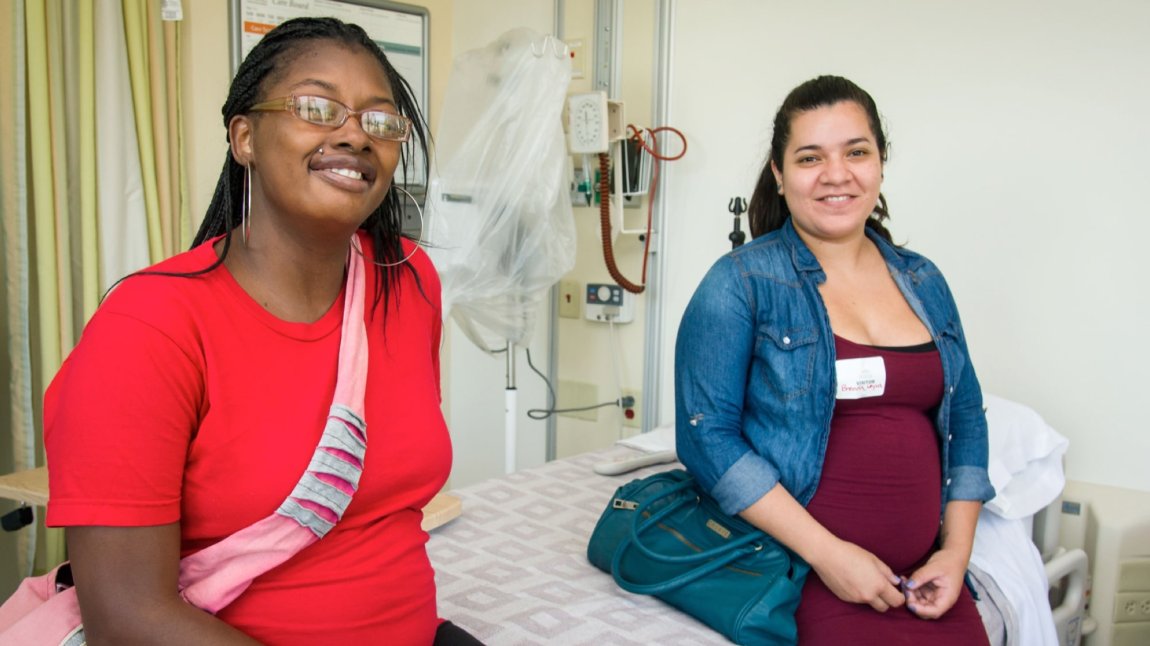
(858, 378)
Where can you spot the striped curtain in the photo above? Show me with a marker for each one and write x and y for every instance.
(92, 185)
(17, 435)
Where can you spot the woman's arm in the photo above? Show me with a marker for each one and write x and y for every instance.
(126, 579)
(934, 587)
(852, 573)
(714, 350)
(968, 434)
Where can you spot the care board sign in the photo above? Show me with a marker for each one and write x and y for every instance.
(400, 30)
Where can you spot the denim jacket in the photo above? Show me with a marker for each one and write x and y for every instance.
(755, 374)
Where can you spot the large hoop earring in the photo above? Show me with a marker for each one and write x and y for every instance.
(245, 220)
(419, 210)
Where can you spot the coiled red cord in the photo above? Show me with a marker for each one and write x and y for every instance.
(605, 201)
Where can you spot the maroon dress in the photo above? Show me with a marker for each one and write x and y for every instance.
(880, 489)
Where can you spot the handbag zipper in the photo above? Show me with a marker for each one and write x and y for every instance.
(683, 539)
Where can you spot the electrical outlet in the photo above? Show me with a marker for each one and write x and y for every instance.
(577, 394)
(569, 298)
(1131, 606)
(632, 415)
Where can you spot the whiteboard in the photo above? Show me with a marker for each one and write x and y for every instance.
(400, 30)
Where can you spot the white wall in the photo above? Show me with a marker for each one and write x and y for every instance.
(1020, 161)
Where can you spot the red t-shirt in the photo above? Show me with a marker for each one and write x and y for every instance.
(186, 401)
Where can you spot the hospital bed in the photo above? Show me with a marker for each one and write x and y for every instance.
(1031, 590)
(512, 569)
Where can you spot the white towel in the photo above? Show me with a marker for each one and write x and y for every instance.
(657, 439)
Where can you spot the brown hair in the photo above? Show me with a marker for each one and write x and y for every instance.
(768, 210)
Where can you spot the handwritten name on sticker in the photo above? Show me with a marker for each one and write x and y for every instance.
(858, 378)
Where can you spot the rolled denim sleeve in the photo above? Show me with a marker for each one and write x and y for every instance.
(967, 477)
(713, 354)
(967, 473)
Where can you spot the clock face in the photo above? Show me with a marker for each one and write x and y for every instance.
(588, 126)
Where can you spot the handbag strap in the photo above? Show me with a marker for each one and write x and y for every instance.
(708, 560)
(660, 587)
(644, 521)
(213, 577)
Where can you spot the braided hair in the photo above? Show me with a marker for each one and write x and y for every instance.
(267, 61)
(768, 210)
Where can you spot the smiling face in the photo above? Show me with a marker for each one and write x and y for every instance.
(832, 172)
(315, 179)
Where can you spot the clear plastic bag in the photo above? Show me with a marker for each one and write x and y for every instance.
(500, 225)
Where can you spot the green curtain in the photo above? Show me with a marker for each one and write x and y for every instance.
(49, 244)
(17, 429)
(89, 99)
(139, 54)
(153, 56)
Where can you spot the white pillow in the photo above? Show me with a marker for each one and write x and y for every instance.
(1025, 461)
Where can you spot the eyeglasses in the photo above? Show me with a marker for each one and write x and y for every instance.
(322, 111)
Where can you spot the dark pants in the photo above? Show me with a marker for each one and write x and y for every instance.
(449, 634)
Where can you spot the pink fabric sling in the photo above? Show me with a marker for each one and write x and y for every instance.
(46, 611)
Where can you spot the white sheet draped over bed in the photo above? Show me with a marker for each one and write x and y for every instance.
(1025, 467)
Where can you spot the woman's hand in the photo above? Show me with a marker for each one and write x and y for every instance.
(934, 587)
(857, 576)
(852, 573)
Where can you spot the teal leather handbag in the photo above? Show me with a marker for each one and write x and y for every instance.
(663, 536)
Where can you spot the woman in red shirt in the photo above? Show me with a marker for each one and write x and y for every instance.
(197, 394)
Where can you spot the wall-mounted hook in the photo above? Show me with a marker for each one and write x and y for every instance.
(737, 206)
